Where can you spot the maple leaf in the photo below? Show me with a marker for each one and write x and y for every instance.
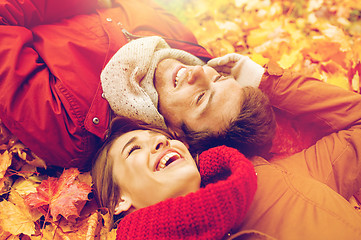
(16, 217)
(65, 196)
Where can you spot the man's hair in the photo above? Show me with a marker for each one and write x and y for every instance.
(251, 132)
(106, 190)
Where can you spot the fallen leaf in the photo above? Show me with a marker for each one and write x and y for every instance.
(85, 178)
(4, 235)
(84, 228)
(107, 232)
(355, 82)
(5, 162)
(16, 217)
(25, 186)
(338, 80)
(258, 58)
(5, 185)
(65, 196)
(288, 60)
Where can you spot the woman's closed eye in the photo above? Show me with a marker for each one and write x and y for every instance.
(133, 148)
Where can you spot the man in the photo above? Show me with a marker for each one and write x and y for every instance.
(149, 81)
(51, 56)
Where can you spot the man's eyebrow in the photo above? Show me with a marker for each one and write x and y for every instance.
(133, 139)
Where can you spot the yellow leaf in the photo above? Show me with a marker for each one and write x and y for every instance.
(258, 58)
(104, 232)
(49, 232)
(257, 37)
(5, 162)
(338, 80)
(287, 60)
(14, 220)
(355, 83)
(18, 201)
(25, 186)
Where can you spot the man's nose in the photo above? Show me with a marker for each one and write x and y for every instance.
(197, 75)
(159, 142)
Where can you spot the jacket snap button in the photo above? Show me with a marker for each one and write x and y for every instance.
(109, 19)
(96, 120)
(103, 95)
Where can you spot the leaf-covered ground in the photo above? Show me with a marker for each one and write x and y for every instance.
(315, 37)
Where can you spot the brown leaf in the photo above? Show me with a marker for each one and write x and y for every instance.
(5, 185)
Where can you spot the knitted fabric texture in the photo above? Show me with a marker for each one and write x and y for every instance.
(127, 79)
(209, 213)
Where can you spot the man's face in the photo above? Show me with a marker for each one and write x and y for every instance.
(197, 96)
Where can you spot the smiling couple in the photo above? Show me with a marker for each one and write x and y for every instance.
(151, 178)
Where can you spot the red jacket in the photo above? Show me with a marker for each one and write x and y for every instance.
(51, 56)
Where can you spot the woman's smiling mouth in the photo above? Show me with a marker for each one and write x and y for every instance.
(167, 159)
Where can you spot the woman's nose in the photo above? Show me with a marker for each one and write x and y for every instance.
(197, 75)
(159, 143)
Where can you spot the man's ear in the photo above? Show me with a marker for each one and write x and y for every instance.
(123, 205)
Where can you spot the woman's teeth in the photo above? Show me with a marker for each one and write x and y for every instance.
(163, 162)
(179, 73)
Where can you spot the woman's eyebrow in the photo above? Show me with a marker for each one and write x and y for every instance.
(133, 139)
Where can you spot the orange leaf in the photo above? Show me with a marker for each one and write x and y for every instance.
(65, 196)
(16, 217)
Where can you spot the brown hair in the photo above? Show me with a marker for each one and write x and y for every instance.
(107, 192)
(251, 132)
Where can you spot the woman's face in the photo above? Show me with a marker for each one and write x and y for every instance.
(150, 168)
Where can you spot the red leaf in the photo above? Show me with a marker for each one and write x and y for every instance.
(65, 196)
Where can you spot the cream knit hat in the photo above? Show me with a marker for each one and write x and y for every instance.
(127, 79)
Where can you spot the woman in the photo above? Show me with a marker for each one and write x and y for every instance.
(153, 180)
